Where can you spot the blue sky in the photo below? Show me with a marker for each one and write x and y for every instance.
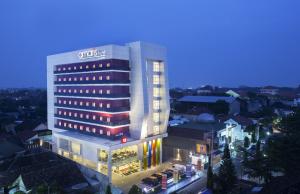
(228, 42)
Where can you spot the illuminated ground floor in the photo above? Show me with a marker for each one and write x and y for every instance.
(111, 158)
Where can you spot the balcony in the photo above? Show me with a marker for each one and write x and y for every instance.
(84, 70)
(109, 124)
(116, 109)
(93, 95)
(82, 82)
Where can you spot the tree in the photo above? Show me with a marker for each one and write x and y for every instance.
(226, 178)
(246, 142)
(253, 138)
(108, 190)
(283, 150)
(135, 190)
(258, 167)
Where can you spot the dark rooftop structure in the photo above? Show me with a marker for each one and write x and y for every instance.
(44, 167)
(207, 99)
(195, 130)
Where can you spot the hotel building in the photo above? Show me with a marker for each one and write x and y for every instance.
(108, 106)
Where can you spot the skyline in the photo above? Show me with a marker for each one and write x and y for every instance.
(205, 41)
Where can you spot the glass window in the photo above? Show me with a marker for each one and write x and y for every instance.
(156, 67)
(156, 117)
(64, 144)
(76, 148)
(155, 104)
(155, 79)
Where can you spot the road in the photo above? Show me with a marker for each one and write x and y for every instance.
(195, 187)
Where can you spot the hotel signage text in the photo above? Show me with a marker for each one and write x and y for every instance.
(92, 53)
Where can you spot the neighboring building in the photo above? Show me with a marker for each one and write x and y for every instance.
(233, 94)
(9, 148)
(108, 107)
(234, 130)
(210, 101)
(205, 90)
(269, 90)
(26, 173)
(190, 142)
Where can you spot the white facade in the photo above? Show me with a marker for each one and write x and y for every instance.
(232, 132)
(149, 105)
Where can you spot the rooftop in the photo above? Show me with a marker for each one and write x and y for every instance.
(207, 99)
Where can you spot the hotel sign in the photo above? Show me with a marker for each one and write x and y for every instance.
(92, 53)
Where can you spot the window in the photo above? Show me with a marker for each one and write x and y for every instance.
(75, 102)
(81, 103)
(100, 77)
(70, 90)
(94, 130)
(87, 129)
(100, 65)
(87, 67)
(65, 113)
(101, 131)
(69, 68)
(58, 69)
(108, 105)
(75, 78)
(59, 123)
(94, 78)
(94, 66)
(94, 104)
(80, 91)
(75, 126)
(156, 129)
(65, 79)
(155, 79)
(70, 114)
(94, 117)
(81, 115)
(59, 112)
(156, 92)
(155, 104)
(107, 77)
(101, 105)
(70, 79)
(87, 91)
(75, 114)
(70, 102)
(156, 66)
(108, 65)
(156, 117)
(87, 78)
(59, 79)
(80, 78)
(107, 91)
(87, 104)
(108, 119)
(65, 101)
(59, 102)
(75, 68)
(87, 116)
(94, 91)
(80, 67)
(101, 118)
(81, 127)
(76, 148)
(108, 133)
(75, 91)
(100, 91)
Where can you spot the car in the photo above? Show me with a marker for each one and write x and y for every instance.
(151, 181)
(158, 176)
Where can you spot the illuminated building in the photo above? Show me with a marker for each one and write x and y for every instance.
(108, 106)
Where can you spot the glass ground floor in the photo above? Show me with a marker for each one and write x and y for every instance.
(123, 160)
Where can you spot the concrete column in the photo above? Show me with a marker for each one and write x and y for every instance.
(109, 166)
(160, 151)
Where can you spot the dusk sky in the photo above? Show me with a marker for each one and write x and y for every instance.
(226, 43)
